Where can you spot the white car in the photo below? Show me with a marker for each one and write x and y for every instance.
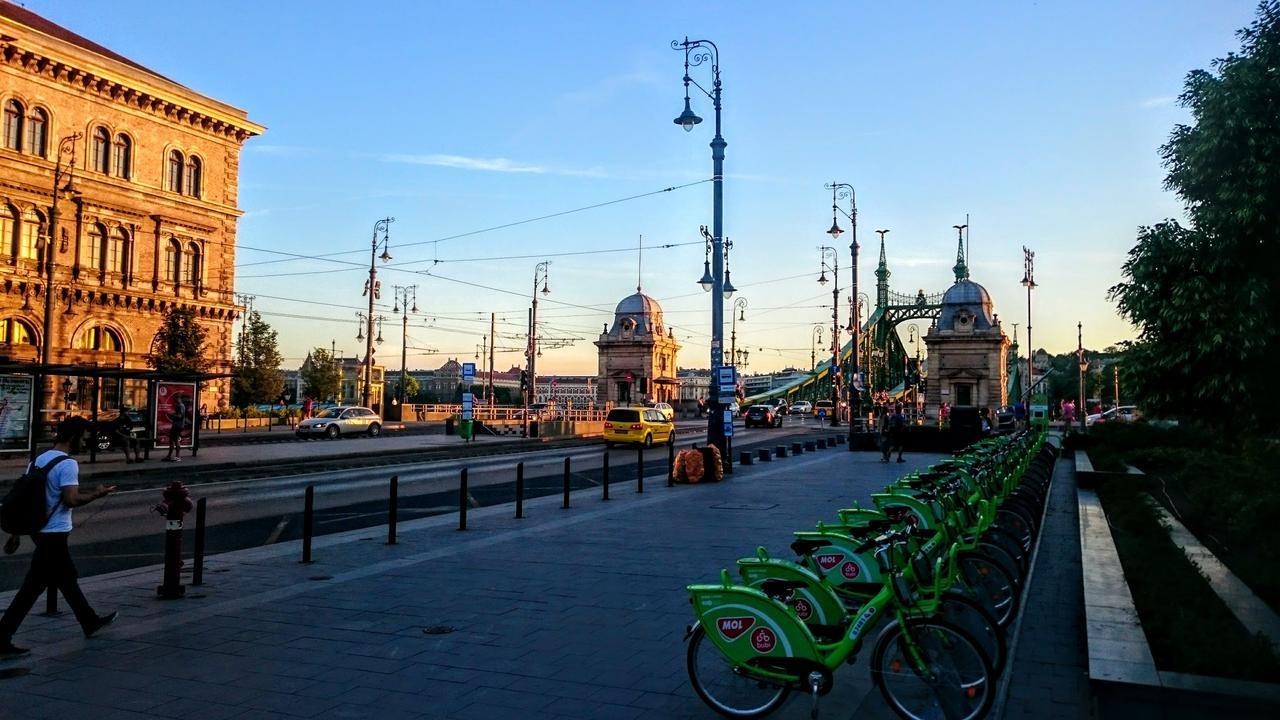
(336, 422)
(667, 411)
(802, 407)
(1124, 413)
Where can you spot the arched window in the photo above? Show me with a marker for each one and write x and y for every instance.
(117, 247)
(191, 264)
(172, 254)
(38, 132)
(91, 249)
(29, 232)
(8, 226)
(175, 170)
(14, 331)
(13, 117)
(194, 171)
(99, 155)
(100, 337)
(122, 156)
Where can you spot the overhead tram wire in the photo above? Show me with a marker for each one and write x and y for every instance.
(329, 256)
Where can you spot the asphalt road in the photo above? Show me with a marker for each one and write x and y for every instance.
(122, 531)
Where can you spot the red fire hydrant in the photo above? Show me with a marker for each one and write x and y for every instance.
(176, 503)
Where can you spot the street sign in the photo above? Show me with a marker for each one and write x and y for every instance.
(467, 401)
(726, 375)
(728, 423)
(468, 372)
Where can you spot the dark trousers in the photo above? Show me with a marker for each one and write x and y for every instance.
(51, 566)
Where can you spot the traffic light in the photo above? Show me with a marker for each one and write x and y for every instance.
(524, 381)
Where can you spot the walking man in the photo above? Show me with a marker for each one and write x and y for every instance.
(51, 564)
(177, 423)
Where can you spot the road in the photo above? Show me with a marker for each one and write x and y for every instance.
(122, 531)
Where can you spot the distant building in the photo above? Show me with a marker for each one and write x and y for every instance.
(637, 355)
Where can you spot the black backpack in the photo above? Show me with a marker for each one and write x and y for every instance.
(24, 511)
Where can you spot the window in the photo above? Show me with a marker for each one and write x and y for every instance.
(191, 264)
(16, 332)
(13, 116)
(116, 248)
(91, 250)
(8, 224)
(194, 171)
(122, 156)
(171, 256)
(100, 338)
(99, 157)
(175, 171)
(37, 132)
(29, 232)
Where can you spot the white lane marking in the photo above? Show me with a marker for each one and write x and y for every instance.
(275, 533)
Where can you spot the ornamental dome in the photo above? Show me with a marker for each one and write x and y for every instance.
(638, 314)
(966, 298)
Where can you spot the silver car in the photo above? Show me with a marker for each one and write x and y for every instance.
(342, 420)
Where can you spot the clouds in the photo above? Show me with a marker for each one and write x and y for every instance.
(498, 164)
(1155, 102)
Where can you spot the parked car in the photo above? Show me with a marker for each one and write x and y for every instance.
(341, 420)
(667, 411)
(638, 426)
(763, 416)
(802, 407)
(779, 405)
(824, 408)
(106, 438)
(539, 411)
(1124, 413)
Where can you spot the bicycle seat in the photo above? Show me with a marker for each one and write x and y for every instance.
(896, 513)
(805, 547)
(781, 589)
(861, 588)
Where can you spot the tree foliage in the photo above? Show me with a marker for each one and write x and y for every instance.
(1204, 296)
(178, 346)
(321, 377)
(411, 387)
(258, 378)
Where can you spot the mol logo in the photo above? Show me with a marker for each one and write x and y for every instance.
(828, 561)
(763, 640)
(850, 570)
(732, 628)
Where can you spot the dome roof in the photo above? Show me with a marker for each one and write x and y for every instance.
(637, 316)
(638, 304)
(966, 295)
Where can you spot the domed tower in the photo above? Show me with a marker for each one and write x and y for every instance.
(967, 348)
(637, 355)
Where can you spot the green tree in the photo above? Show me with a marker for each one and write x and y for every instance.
(411, 388)
(321, 377)
(258, 378)
(1204, 296)
(178, 347)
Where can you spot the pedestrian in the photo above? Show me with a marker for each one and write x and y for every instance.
(177, 423)
(122, 429)
(306, 407)
(51, 565)
(882, 427)
(1068, 413)
(1019, 414)
(897, 432)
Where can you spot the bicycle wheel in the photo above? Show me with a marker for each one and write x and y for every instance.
(724, 688)
(987, 582)
(969, 615)
(931, 669)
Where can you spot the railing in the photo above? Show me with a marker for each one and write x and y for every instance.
(500, 413)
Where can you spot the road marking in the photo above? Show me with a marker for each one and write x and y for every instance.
(275, 534)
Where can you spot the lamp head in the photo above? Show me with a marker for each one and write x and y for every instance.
(742, 315)
(545, 290)
(822, 279)
(729, 289)
(385, 256)
(688, 118)
(835, 230)
(707, 282)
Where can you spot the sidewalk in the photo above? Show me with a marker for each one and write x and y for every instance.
(569, 613)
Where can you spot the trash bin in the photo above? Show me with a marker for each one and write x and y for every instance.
(448, 426)
(533, 428)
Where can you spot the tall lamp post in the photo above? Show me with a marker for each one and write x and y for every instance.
(841, 190)
(913, 336)
(741, 305)
(1029, 282)
(374, 291)
(368, 321)
(824, 252)
(541, 273)
(814, 339)
(405, 294)
(698, 52)
(1084, 365)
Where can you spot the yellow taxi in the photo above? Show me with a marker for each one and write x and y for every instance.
(638, 425)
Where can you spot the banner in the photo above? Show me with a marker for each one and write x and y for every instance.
(175, 406)
(15, 412)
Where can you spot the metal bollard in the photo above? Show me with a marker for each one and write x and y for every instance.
(565, 506)
(671, 462)
(308, 509)
(520, 490)
(640, 469)
(840, 439)
(745, 458)
(797, 448)
(780, 451)
(728, 456)
(822, 443)
(462, 501)
(810, 446)
(763, 455)
(393, 507)
(197, 568)
(605, 480)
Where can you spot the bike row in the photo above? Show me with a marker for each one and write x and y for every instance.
(935, 567)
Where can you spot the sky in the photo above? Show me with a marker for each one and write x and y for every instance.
(467, 122)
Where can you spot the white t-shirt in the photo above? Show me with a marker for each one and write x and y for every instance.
(65, 474)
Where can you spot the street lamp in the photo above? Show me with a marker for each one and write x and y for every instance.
(698, 52)
(814, 339)
(1084, 365)
(374, 290)
(840, 191)
(824, 252)
(741, 305)
(1029, 282)
(541, 274)
(405, 295)
(913, 336)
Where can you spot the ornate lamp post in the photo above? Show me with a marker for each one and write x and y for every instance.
(840, 191)
(741, 305)
(814, 339)
(697, 52)
(405, 294)
(1029, 282)
(374, 291)
(913, 336)
(541, 274)
(1083, 362)
(826, 251)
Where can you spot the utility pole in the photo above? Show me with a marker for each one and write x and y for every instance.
(373, 290)
(540, 274)
(1116, 383)
(405, 294)
(493, 328)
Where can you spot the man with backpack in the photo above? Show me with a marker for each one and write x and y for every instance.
(897, 428)
(40, 505)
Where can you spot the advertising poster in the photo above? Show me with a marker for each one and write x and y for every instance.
(15, 413)
(175, 412)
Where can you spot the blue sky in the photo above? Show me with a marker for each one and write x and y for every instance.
(1041, 120)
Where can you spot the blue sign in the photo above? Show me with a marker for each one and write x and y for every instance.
(728, 429)
(468, 371)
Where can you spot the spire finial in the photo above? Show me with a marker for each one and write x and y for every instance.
(639, 263)
(961, 268)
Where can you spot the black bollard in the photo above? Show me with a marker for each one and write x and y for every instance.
(393, 507)
(462, 501)
(797, 448)
(763, 455)
(519, 490)
(640, 469)
(308, 510)
(565, 506)
(745, 458)
(840, 439)
(197, 562)
(728, 455)
(605, 479)
(822, 443)
(810, 446)
(671, 461)
(780, 451)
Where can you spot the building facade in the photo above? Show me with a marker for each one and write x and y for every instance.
(637, 355)
(143, 218)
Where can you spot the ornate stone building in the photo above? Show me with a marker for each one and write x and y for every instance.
(967, 349)
(145, 212)
(637, 355)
